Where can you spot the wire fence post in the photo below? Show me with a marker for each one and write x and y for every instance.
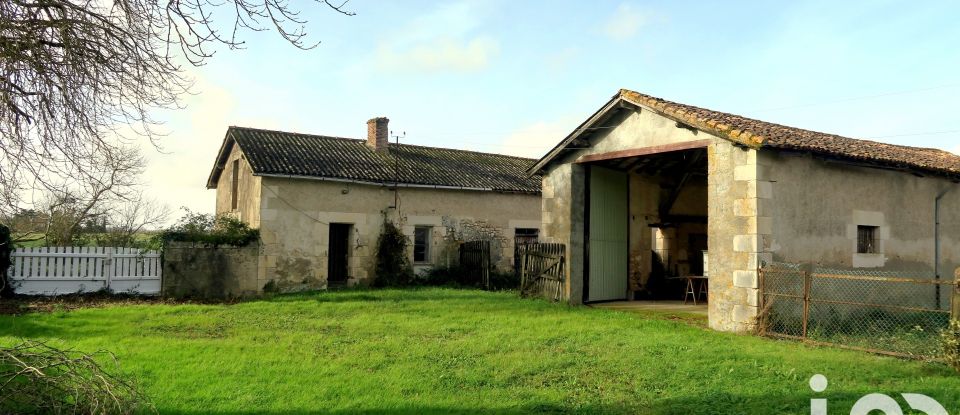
(761, 303)
(807, 270)
(955, 301)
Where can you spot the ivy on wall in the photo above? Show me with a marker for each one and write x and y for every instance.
(393, 266)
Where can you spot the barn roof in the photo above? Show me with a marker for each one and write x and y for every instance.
(279, 153)
(761, 134)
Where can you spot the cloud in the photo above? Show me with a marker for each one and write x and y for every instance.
(176, 175)
(536, 139)
(956, 150)
(562, 59)
(447, 39)
(440, 55)
(625, 22)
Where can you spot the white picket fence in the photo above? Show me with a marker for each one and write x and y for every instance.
(67, 270)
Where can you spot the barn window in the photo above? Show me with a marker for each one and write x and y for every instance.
(421, 243)
(235, 183)
(867, 239)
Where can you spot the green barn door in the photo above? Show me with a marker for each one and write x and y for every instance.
(607, 273)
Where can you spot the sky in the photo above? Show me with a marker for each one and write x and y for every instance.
(515, 77)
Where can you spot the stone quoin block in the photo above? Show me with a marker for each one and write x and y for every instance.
(746, 243)
(745, 279)
(744, 314)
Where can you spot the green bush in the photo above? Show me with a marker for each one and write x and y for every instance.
(393, 266)
(211, 230)
(951, 344)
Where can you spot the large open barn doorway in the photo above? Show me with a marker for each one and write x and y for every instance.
(646, 225)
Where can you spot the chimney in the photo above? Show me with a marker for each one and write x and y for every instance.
(377, 133)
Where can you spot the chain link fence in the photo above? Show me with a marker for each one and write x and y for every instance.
(898, 313)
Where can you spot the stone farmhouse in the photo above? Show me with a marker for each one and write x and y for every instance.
(320, 202)
(643, 186)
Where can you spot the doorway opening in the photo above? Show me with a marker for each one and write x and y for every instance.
(646, 227)
(338, 254)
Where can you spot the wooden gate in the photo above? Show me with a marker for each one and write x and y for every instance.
(67, 270)
(475, 262)
(542, 270)
(519, 244)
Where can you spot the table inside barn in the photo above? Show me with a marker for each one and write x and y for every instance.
(695, 287)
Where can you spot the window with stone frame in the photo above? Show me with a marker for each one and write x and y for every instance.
(867, 239)
(421, 243)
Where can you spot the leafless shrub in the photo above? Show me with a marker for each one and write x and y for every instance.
(126, 222)
(38, 378)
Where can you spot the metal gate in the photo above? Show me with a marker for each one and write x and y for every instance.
(608, 227)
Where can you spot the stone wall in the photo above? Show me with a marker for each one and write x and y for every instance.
(738, 233)
(248, 190)
(563, 221)
(295, 216)
(818, 204)
(193, 270)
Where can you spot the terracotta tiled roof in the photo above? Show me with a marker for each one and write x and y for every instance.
(304, 155)
(757, 134)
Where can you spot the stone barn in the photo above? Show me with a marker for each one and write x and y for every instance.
(645, 188)
(320, 202)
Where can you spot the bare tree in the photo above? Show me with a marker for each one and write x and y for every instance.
(110, 178)
(80, 77)
(126, 222)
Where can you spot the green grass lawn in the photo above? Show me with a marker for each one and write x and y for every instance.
(458, 351)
